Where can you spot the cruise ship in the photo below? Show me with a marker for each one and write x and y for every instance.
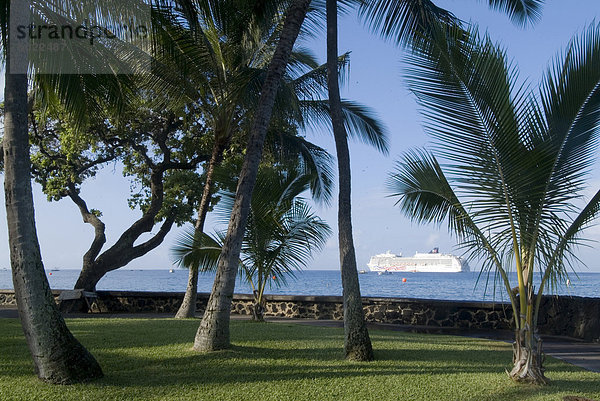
(432, 262)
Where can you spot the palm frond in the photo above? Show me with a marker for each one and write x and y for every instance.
(193, 250)
(425, 196)
(521, 12)
(570, 96)
(315, 161)
(360, 122)
(313, 84)
(404, 21)
(471, 108)
(555, 261)
(90, 80)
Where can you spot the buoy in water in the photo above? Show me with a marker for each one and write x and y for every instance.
(274, 277)
(50, 273)
(404, 280)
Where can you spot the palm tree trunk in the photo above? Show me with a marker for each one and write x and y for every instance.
(188, 306)
(528, 357)
(357, 344)
(58, 357)
(213, 333)
(258, 309)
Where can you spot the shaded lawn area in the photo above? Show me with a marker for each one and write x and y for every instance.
(152, 360)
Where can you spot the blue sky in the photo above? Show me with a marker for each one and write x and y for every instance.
(376, 81)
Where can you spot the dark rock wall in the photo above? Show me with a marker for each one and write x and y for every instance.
(7, 298)
(568, 316)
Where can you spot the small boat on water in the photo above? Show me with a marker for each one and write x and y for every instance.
(171, 271)
(362, 272)
(383, 272)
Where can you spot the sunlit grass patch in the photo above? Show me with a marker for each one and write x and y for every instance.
(153, 360)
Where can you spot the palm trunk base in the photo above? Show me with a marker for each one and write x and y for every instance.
(528, 360)
(73, 365)
(258, 311)
(358, 346)
(187, 310)
(213, 333)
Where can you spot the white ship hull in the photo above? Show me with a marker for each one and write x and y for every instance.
(420, 263)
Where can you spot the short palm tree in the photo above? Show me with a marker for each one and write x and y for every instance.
(281, 234)
(509, 165)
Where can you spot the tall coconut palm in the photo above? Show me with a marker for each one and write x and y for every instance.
(213, 333)
(357, 343)
(228, 78)
(281, 234)
(404, 21)
(516, 164)
(58, 357)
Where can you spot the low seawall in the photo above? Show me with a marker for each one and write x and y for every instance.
(575, 317)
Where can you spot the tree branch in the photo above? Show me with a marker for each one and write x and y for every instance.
(89, 218)
(156, 240)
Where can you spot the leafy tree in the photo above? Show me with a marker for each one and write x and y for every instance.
(159, 149)
(281, 234)
(516, 164)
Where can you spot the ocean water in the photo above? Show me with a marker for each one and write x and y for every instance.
(443, 286)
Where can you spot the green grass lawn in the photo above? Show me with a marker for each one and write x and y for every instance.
(153, 360)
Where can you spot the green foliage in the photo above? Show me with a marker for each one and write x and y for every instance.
(231, 60)
(281, 234)
(407, 22)
(278, 361)
(516, 162)
(142, 140)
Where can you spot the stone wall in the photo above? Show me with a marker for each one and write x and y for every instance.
(568, 316)
(7, 298)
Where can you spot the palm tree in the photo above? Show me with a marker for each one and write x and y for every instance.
(357, 343)
(213, 333)
(58, 357)
(281, 234)
(230, 72)
(404, 21)
(515, 165)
